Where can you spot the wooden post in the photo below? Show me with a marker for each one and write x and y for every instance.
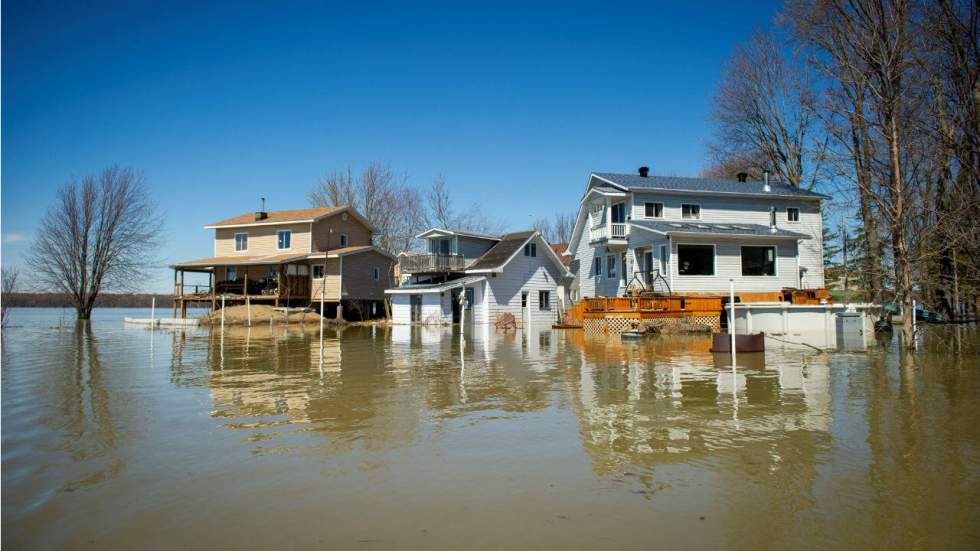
(211, 283)
(175, 293)
(278, 285)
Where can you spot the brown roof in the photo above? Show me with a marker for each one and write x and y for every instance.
(279, 216)
(502, 251)
(559, 249)
(239, 260)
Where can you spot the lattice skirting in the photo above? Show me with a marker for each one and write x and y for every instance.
(618, 325)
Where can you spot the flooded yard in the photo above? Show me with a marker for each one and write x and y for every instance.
(119, 437)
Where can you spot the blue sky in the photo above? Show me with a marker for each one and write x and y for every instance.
(220, 104)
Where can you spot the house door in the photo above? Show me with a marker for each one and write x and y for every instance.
(525, 310)
(454, 297)
(416, 308)
(648, 268)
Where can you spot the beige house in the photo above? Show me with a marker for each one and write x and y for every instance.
(292, 257)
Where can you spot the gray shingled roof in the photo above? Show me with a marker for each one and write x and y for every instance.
(714, 229)
(423, 288)
(704, 185)
(502, 251)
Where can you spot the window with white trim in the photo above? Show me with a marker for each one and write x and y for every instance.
(611, 266)
(597, 268)
(241, 242)
(531, 249)
(695, 260)
(544, 300)
(653, 210)
(284, 239)
(758, 261)
(691, 211)
(792, 214)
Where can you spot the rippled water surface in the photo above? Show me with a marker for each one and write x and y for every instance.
(119, 437)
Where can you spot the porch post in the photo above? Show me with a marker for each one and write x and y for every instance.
(175, 293)
(211, 279)
(278, 284)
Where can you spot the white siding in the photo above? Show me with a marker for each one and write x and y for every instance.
(728, 265)
(401, 309)
(525, 274)
(746, 210)
(432, 307)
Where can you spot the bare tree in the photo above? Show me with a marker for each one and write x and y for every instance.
(763, 114)
(444, 212)
(385, 199)
(557, 229)
(8, 286)
(100, 234)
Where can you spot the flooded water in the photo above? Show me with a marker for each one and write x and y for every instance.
(119, 437)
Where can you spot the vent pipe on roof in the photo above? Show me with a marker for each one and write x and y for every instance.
(765, 181)
(262, 214)
(644, 171)
(742, 176)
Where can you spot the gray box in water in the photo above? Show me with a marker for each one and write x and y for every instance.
(850, 331)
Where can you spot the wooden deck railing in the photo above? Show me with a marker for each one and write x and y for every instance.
(653, 304)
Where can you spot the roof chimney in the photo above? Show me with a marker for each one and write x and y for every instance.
(261, 214)
(765, 181)
(742, 176)
(644, 171)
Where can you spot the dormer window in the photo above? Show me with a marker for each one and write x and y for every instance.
(691, 212)
(284, 239)
(241, 242)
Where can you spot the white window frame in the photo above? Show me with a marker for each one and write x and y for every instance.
(531, 250)
(775, 261)
(343, 240)
(654, 203)
(245, 249)
(313, 270)
(714, 259)
(790, 220)
(611, 274)
(546, 305)
(289, 233)
(698, 205)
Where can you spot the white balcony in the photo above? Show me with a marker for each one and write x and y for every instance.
(611, 232)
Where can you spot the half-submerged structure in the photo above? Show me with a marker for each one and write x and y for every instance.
(295, 257)
(477, 278)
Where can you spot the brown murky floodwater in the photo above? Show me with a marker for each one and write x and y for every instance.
(119, 437)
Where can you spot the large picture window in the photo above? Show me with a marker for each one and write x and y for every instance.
(758, 261)
(695, 260)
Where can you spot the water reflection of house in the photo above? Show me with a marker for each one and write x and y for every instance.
(653, 403)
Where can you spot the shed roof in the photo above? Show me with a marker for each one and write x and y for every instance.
(714, 229)
(502, 251)
(702, 185)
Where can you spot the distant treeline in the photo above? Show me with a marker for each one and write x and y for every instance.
(104, 300)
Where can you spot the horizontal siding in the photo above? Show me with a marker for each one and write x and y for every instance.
(530, 274)
(262, 240)
(358, 276)
(728, 265)
(330, 284)
(327, 232)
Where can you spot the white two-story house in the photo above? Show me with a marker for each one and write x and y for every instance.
(693, 235)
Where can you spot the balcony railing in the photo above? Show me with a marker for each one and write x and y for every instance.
(612, 231)
(432, 263)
